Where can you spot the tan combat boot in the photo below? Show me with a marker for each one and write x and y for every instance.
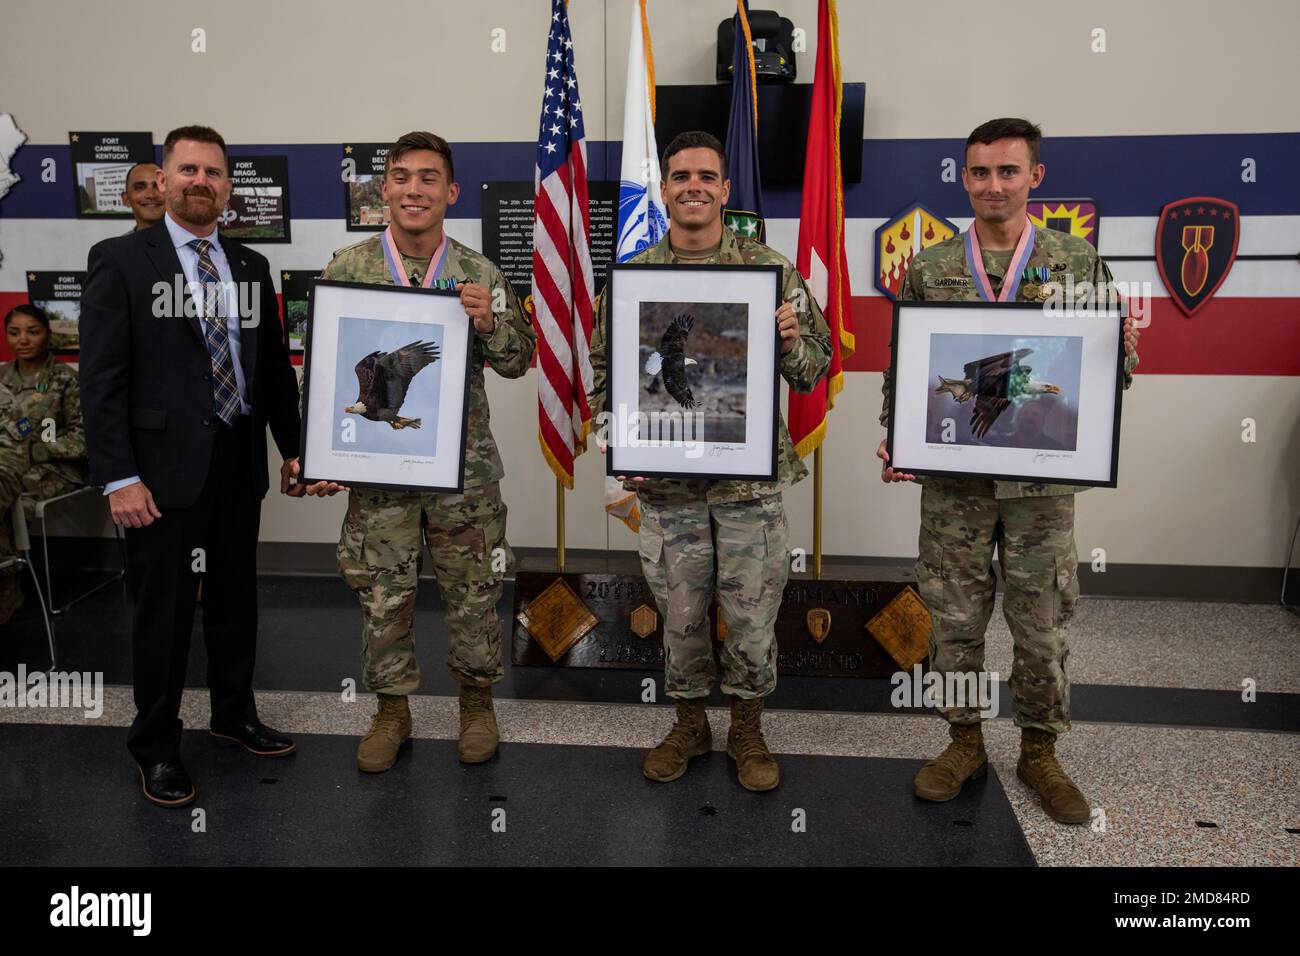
(390, 728)
(478, 724)
(1039, 769)
(689, 737)
(755, 765)
(963, 759)
(11, 596)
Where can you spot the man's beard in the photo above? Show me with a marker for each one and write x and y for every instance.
(193, 209)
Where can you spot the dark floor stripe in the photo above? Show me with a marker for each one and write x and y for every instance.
(74, 799)
(309, 641)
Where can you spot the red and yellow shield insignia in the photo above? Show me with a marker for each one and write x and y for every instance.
(901, 238)
(1196, 245)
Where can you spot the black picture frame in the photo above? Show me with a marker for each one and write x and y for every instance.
(1004, 313)
(307, 476)
(615, 341)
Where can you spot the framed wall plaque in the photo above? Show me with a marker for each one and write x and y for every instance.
(100, 162)
(258, 210)
(59, 294)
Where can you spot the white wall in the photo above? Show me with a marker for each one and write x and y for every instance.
(296, 72)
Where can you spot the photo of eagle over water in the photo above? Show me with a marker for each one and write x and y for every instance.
(1012, 391)
(384, 378)
(387, 386)
(694, 365)
(993, 383)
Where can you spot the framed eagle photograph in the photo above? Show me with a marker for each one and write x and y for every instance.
(693, 366)
(1007, 391)
(385, 383)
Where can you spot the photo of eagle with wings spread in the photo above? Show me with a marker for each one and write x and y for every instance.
(993, 383)
(384, 378)
(670, 361)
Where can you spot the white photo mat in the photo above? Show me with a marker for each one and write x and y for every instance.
(434, 457)
(1093, 460)
(758, 288)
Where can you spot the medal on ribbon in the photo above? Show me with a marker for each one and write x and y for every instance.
(1035, 278)
(394, 259)
(1015, 271)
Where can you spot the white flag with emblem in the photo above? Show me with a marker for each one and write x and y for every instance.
(642, 220)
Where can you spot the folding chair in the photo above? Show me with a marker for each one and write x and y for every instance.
(39, 512)
(24, 546)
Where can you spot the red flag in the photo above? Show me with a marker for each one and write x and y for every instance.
(821, 258)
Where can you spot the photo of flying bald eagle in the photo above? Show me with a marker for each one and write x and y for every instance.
(385, 377)
(993, 383)
(670, 361)
(692, 369)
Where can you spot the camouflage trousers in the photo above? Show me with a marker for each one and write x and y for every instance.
(742, 546)
(961, 521)
(37, 482)
(381, 550)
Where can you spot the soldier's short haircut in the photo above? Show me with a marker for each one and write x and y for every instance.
(199, 134)
(694, 139)
(147, 162)
(1008, 127)
(419, 139)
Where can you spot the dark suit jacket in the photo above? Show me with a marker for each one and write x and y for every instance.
(146, 374)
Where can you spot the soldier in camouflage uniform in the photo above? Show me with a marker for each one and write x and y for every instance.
(46, 454)
(1032, 524)
(381, 545)
(734, 533)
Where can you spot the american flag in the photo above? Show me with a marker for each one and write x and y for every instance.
(562, 280)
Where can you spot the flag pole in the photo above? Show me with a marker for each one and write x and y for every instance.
(559, 525)
(817, 512)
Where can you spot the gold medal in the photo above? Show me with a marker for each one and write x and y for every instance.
(1031, 291)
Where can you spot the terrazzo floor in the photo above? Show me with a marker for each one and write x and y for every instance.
(1155, 686)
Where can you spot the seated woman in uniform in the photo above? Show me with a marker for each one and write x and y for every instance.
(44, 446)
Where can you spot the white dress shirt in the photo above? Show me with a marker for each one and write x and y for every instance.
(189, 257)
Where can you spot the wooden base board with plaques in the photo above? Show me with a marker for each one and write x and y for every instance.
(601, 613)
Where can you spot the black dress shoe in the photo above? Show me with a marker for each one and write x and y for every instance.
(167, 784)
(255, 737)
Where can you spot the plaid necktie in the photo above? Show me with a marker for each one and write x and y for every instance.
(225, 390)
